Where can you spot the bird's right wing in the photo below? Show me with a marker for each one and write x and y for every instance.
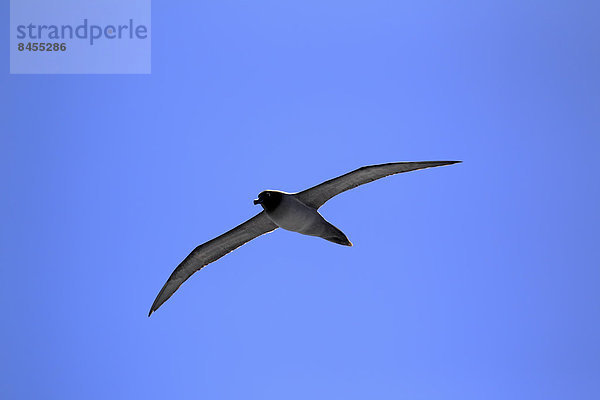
(212, 251)
(316, 196)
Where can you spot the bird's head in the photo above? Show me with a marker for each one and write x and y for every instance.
(269, 199)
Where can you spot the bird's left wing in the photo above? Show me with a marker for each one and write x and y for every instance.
(212, 251)
(316, 196)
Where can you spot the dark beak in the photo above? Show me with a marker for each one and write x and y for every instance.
(257, 201)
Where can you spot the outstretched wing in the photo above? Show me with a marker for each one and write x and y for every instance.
(212, 251)
(316, 196)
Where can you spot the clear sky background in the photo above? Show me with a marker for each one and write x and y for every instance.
(473, 281)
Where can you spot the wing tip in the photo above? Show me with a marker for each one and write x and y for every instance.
(444, 163)
(155, 305)
(450, 162)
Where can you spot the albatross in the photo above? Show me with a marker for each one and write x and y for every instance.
(296, 212)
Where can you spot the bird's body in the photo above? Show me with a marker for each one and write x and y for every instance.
(292, 214)
(297, 212)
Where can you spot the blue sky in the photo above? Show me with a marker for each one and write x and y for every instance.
(472, 281)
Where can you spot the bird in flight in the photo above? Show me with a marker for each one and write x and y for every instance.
(295, 212)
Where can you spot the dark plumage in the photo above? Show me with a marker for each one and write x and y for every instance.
(296, 212)
(269, 199)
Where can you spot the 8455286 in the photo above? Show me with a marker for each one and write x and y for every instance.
(29, 46)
